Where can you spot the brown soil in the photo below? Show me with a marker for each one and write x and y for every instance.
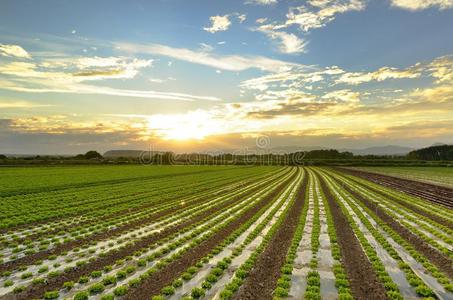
(412, 207)
(444, 263)
(434, 193)
(262, 279)
(36, 291)
(362, 277)
(165, 276)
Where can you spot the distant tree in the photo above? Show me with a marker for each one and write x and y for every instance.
(2, 156)
(92, 155)
(168, 158)
(443, 152)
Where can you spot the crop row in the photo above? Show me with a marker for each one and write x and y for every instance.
(231, 233)
(402, 255)
(112, 225)
(68, 260)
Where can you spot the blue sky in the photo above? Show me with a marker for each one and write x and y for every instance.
(196, 75)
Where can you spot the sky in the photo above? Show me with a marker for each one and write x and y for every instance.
(216, 75)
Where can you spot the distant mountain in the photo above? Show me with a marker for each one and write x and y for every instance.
(286, 149)
(381, 150)
(438, 144)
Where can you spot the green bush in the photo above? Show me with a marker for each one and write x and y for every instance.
(226, 294)
(120, 291)
(168, 290)
(8, 283)
(68, 285)
(281, 292)
(424, 291)
(206, 285)
(121, 275)
(19, 289)
(26, 275)
(134, 282)
(54, 274)
(96, 274)
(51, 295)
(83, 279)
(96, 288)
(177, 283)
(212, 278)
(197, 293)
(81, 296)
(38, 281)
(109, 280)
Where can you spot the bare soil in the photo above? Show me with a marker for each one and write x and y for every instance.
(165, 276)
(262, 279)
(416, 209)
(362, 277)
(439, 259)
(434, 193)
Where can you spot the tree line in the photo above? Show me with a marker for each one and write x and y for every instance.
(443, 153)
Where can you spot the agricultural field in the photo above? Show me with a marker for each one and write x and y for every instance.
(435, 175)
(220, 232)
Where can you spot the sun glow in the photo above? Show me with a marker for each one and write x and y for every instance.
(181, 127)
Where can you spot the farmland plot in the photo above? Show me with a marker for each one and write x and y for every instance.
(435, 175)
(219, 233)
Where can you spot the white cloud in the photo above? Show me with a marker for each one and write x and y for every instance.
(49, 86)
(316, 14)
(224, 62)
(325, 12)
(156, 80)
(414, 5)
(343, 95)
(381, 74)
(77, 70)
(21, 104)
(242, 17)
(288, 42)
(96, 61)
(205, 47)
(13, 51)
(296, 77)
(221, 43)
(442, 69)
(33, 78)
(218, 23)
(261, 2)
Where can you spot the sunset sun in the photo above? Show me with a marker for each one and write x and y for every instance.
(183, 127)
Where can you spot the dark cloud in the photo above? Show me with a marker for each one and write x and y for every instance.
(302, 109)
(102, 73)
